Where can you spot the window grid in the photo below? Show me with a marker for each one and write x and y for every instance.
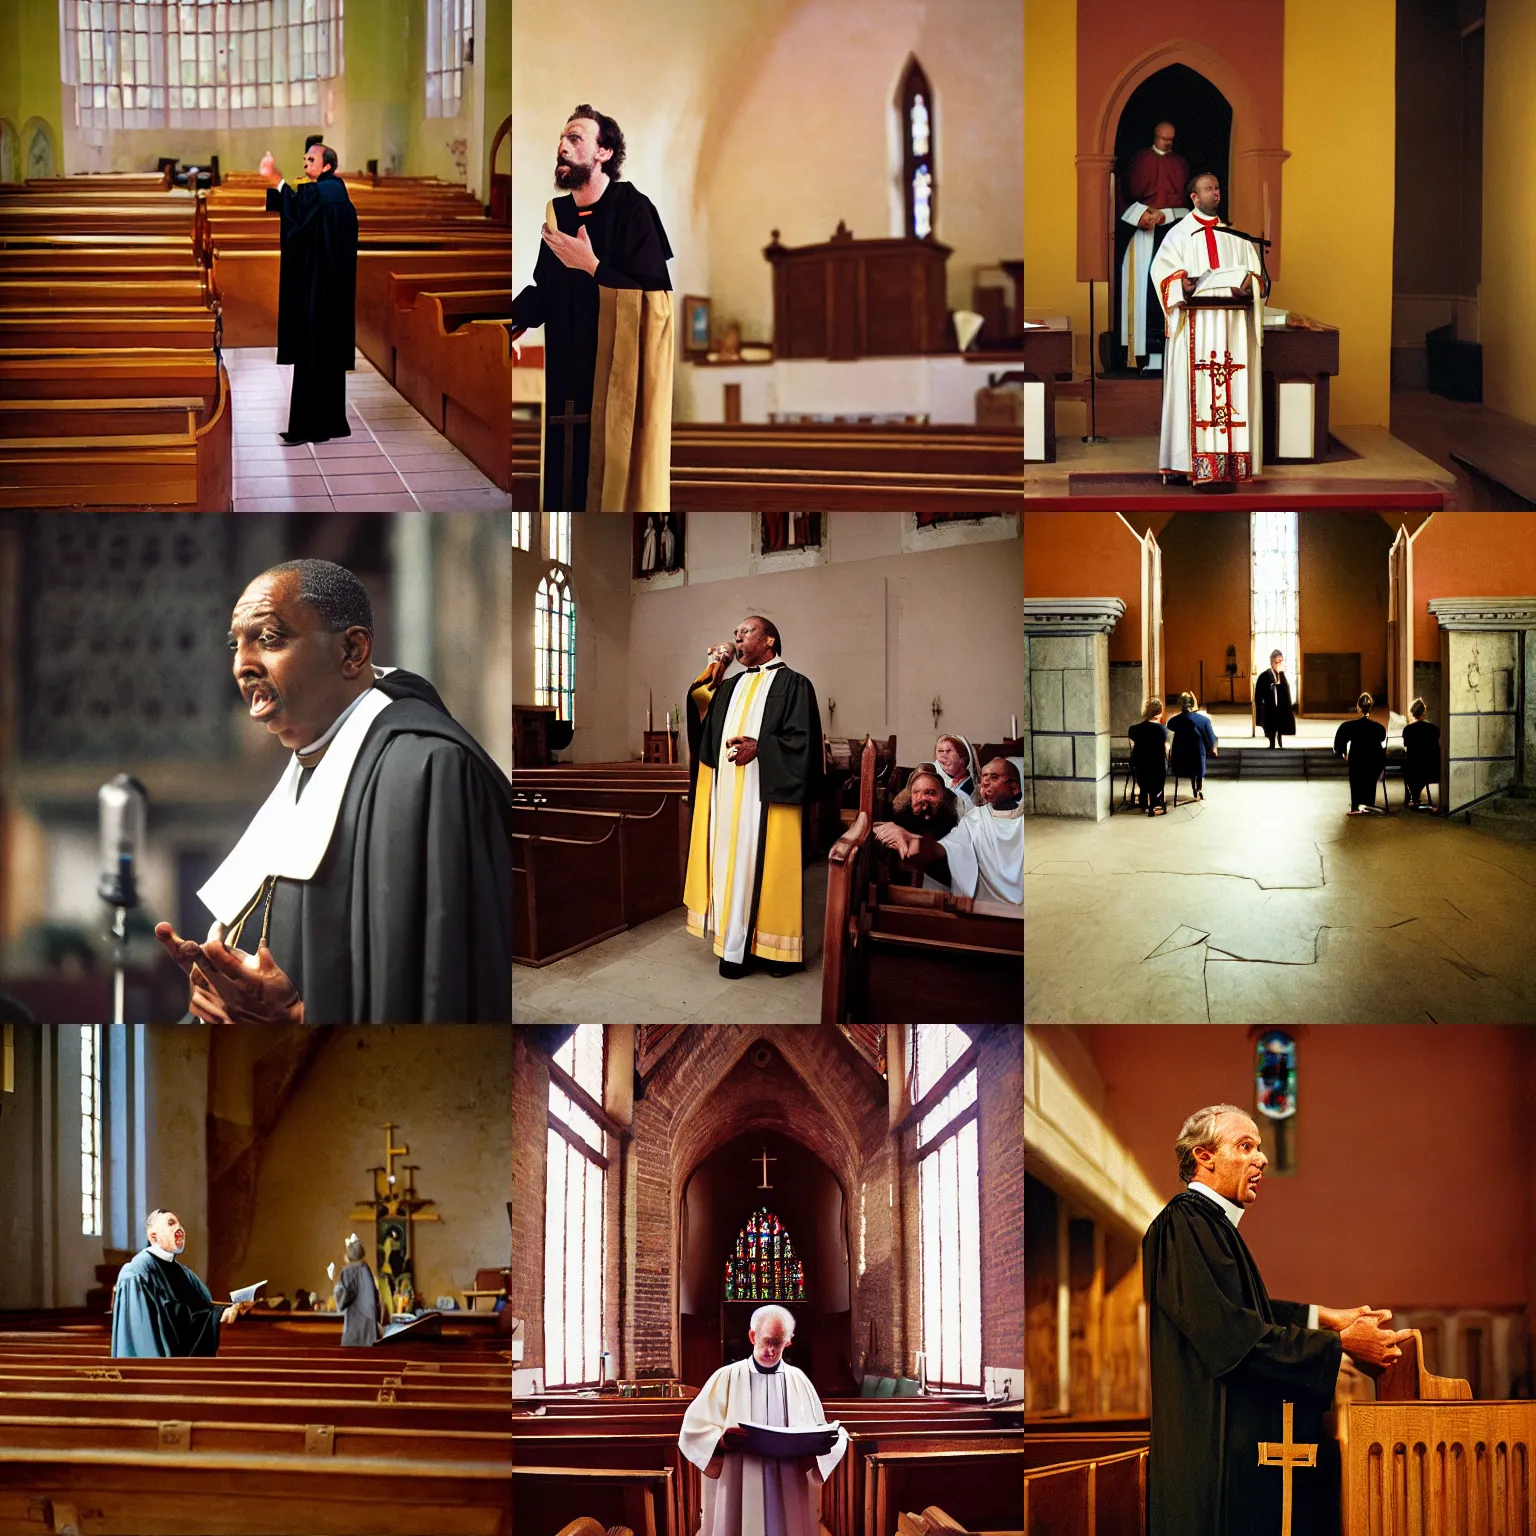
(90, 1130)
(200, 63)
(522, 530)
(560, 537)
(949, 1227)
(448, 29)
(1275, 592)
(935, 1048)
(554, 646)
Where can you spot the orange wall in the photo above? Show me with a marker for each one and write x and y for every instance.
(1342, 564)
(1469, 554)
(1412, 1193)
(1087, 554)
(1206, 600)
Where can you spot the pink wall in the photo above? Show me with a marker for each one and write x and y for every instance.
(1414, 1185)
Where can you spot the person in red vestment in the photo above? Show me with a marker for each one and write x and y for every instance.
(1152, 199)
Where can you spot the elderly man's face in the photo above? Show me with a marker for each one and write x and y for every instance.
(1162, 137)
(769, 1341)
(167, 1232)
(314, 162)
(926, 797)
(753, 647)
(1234, 1167)
(999, 781)
(295, 675)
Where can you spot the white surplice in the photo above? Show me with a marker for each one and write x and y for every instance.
(756, 1495)
(1213, 366)
(1133, 286)
(986, 855)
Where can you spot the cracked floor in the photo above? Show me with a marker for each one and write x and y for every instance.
(1266, 904)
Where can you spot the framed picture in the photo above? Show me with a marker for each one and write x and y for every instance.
(695, 326)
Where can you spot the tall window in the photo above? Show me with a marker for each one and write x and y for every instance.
(1276, 613)
(763, 1265)
(554, 645)
(573, 1219)
(914, 102)
(90, 1130)
(949, 1207)
(1274, 1093)
(448, 28)
(522, 523)
(559, 533)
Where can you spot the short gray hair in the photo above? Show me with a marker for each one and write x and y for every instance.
(354, 1249)
(763, 1314)
(1199, 1130)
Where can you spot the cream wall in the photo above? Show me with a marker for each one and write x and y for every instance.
(446, 1089)
(1340, 128)
(1508, 310)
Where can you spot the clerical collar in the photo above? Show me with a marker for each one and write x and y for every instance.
(1157, 151)
(323, 740)
(1209, 220)
(160, 1253)
(1230, 1209)
(765, 1370)
(767, 666)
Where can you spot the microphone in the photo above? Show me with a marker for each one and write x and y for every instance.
(123, 807)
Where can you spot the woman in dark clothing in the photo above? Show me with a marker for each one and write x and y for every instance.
(1193, 736)
(1272, 701)
(1421, 756)
(1365, 742)
(1149, 757)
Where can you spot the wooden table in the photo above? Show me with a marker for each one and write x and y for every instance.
(1298, 356)
(1048, 358)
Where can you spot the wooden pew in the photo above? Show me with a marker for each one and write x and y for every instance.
(650, 879)
(645, 1451)
(375, 307)
(567, 894)
(544, 1498)
(981, 1488)
(843, 1501)
(1103, 1496)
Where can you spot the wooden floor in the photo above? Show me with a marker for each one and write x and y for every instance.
(393, 461)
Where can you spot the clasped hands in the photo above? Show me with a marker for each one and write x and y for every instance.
(905, 843)
(742, 749)
(226, 988)
(571, 250)
(1365, 1340)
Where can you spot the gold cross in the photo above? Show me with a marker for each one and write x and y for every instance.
(1287, 1455)
(764, 1159)
(391, 1153)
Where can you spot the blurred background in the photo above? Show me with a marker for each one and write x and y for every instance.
(113, 659)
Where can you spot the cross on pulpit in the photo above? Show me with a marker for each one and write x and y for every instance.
(391, 1153)
(1287, 1455)
(570, 421)
(764, 1159)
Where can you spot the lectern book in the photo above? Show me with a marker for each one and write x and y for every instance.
(768, 1440)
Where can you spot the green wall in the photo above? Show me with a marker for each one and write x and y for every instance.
(29, 70)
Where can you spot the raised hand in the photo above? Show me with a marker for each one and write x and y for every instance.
(245, 989)
(571, 250)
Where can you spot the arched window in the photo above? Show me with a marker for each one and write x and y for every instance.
(763, 1265)
(914, 102)
(1274, 1096)
(554, 645)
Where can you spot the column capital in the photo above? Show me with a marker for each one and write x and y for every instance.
(1072, 615)
(1482, 612)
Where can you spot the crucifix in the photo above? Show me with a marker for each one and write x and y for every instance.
(391, 1153)
(569, 421)
(764, 1159)
(1286, 1455)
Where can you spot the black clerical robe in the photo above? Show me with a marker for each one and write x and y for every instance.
(357, 1299)
(1272, 704)
(1225, 1359)
(317, 302)
(1365, 740)
(1421, 755)
(161, 1308)
(608, 352)
(408, 918)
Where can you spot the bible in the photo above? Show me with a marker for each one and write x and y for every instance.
(770, 1440)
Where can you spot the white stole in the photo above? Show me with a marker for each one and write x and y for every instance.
(986, 855)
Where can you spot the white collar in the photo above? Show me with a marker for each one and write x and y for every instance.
(160, 1253)
(336, 724)
(1157, 151)
(1229, 1208)
(288, 836)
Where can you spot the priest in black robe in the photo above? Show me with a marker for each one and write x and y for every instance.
(316, 294)
(1225, 1358)
(159, 1306)
(374, 886)
(601, 291)
(1362, 742)
(1272, 704)
(755, 753)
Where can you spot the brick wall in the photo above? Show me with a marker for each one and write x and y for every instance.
(530, 1120)
(1000, 1088)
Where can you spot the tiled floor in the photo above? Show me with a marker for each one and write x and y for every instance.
(393, 461)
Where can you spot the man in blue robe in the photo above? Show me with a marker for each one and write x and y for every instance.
(159, 1306)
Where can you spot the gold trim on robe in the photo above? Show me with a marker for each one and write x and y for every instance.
(630, 466)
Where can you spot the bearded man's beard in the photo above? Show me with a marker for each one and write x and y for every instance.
(572, 178)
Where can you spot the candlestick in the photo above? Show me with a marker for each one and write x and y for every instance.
(1013, 727)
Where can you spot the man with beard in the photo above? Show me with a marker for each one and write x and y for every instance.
(925, 807)
(601, 291)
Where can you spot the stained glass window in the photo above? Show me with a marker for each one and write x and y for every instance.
(1274, 1096)
(914, 104)
(554, 645)
(763, 1265)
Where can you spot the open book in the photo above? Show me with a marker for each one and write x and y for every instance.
(769, 1440)
(246, 1292)
(1221, 280)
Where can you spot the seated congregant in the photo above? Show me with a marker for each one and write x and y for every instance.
(1149, 757)
(1363, 743)
(925, 806)
(956, 758)
(1421, 756)
(1193, 736)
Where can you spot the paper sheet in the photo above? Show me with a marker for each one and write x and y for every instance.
(246, 1292)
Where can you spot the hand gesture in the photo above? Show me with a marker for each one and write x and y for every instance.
(1149, 219)
(231, 987)
(269, 169)
(330, 1270)
(1339, 1318)
(725, 654)
(231, 1312)
(743, 750)
(1367, 1343)
(571, 250)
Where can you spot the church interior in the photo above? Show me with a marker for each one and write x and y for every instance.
(1379, 148)
(613, 618)
(839, 182)
(264, 1142)
(140, 268)
(669, 1180)
(1398, 1177)
(114, 661)
(1265, 901)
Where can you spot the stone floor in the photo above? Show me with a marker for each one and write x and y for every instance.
(659, 973)
(1266, 904)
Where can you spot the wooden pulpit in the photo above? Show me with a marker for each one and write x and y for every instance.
(1047, 359)
(850, 298)
(530, 734)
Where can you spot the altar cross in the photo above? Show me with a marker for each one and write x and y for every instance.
(764, 1159)
(570, 420)
(391, 1153)
(1286, 1455)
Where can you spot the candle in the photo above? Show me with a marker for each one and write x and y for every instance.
(1013, 727)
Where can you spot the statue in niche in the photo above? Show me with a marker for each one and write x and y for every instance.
(668, 543)
(39, 140)
(648, 546)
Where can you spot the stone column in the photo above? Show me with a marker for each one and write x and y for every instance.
(1489, 740)
(1066, 668)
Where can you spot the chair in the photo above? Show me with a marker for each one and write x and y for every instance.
(1386, 804)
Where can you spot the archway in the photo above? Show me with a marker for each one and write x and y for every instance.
(501, 181)
(806, 1209)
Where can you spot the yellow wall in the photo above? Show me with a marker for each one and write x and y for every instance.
(1050, 170)
(1340, 127)
(1508, 309)
(29, 72)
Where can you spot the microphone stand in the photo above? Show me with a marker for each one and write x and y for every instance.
(1255, 240)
